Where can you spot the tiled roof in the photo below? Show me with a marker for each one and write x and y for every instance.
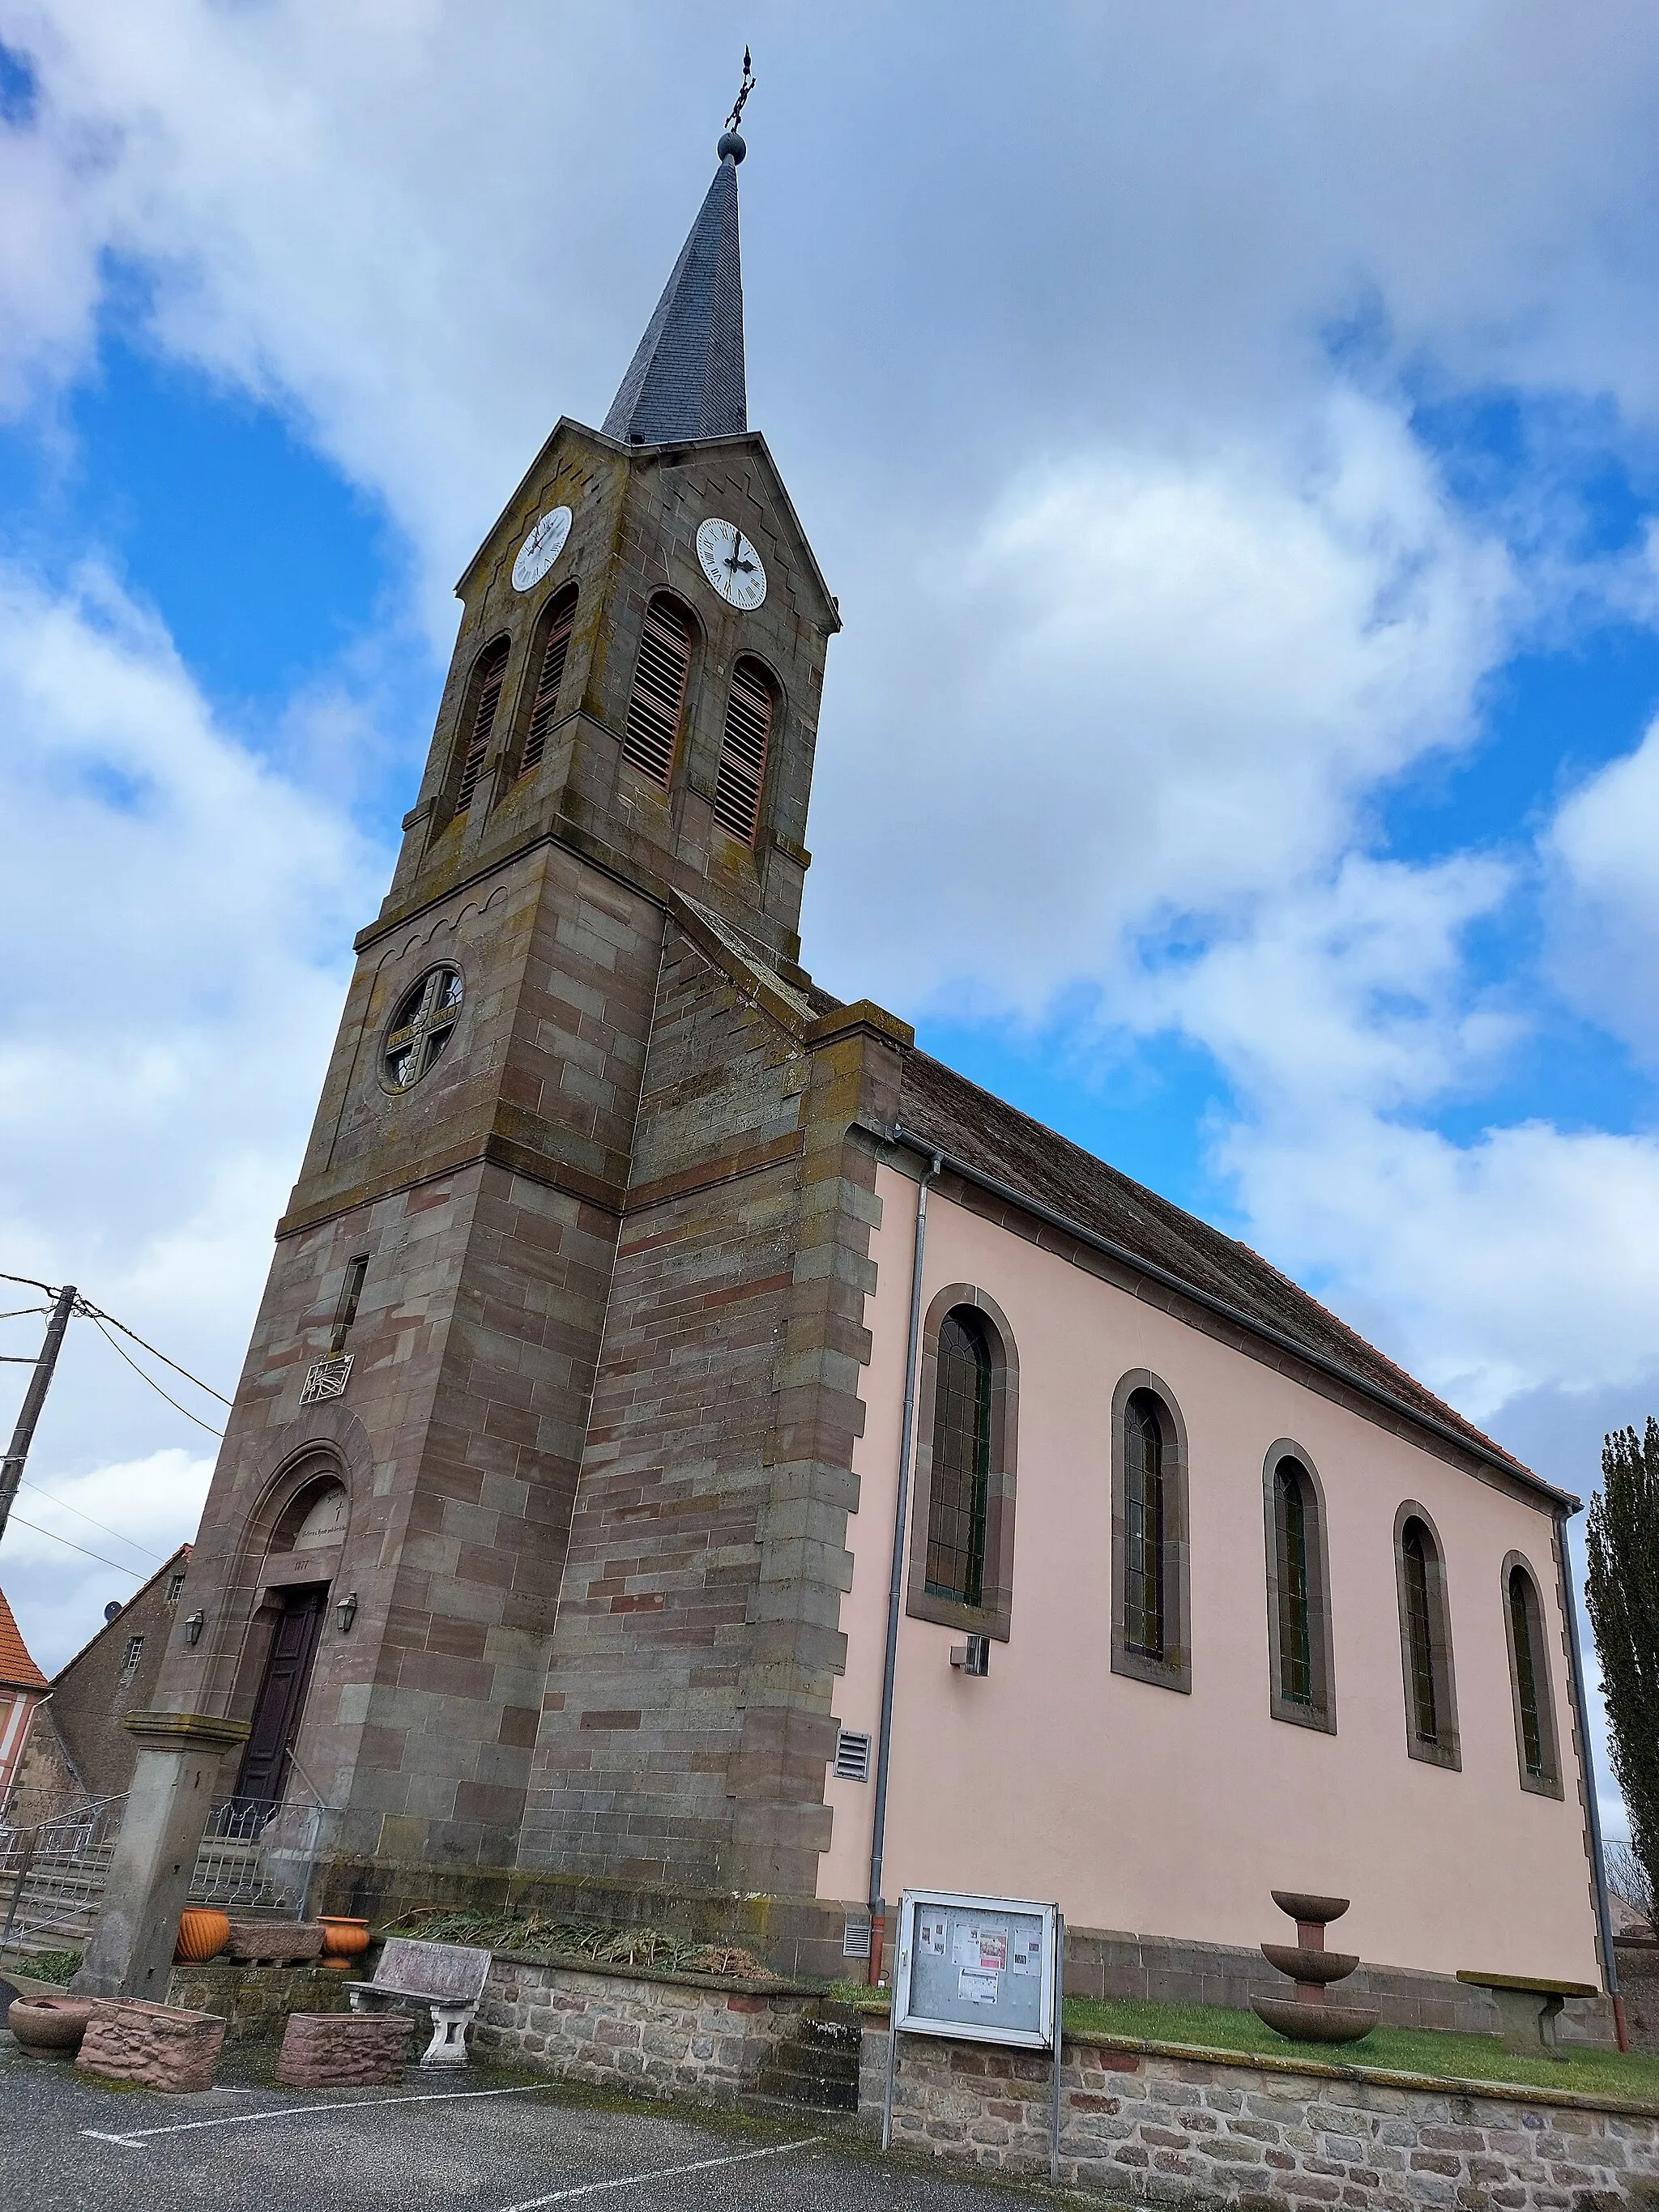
(17, 1670)
(687, 378)
(940, 1107)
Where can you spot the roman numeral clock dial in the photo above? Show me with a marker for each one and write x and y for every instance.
(731, 564)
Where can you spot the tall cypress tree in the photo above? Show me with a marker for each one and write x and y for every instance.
(1623, 1544)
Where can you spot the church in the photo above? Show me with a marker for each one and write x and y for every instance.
(701, 1461)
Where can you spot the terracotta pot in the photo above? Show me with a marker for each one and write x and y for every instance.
(343, 1940)
(202, 1934)
(50, 2027)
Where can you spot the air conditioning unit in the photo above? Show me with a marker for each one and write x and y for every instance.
(852, 1756)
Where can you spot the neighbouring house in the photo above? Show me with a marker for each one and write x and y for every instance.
(22, 1685)
(77, 1749)
(629, 1273)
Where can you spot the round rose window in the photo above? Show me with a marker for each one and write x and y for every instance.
(422, 1026)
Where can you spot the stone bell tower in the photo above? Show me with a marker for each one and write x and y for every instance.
(613, 813)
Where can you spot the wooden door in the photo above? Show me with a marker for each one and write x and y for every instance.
(281, 1694)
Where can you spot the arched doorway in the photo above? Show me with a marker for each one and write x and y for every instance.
(314, 1522)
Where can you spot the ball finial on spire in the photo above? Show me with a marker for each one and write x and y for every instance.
(730, 146)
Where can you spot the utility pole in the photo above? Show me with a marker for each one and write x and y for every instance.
(11, 1468)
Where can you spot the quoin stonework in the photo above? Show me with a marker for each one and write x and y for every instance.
(628, 1277)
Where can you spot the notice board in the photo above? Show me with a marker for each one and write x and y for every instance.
(983, 1967)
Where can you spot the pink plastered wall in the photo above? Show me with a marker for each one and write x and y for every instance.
(1138, 1808)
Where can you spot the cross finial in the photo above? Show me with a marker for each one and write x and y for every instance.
(730, 146)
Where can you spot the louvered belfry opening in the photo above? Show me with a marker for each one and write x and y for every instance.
(561, 621)
(653, 728)
(743, 752)
(486, 698)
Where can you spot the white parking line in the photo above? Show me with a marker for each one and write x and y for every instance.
(657, 2173)
(139, 2136)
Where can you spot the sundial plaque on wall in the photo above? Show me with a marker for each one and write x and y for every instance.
(326, 1378)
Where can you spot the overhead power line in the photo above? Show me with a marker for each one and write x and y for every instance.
(97, 1313)
(52, 1497)
(97, 1320)
(81, 1548)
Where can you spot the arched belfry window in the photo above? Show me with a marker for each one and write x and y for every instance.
(1529, 1679)
(483, 698)
(652, 731)
(1425, 1640)
(743, 741)
(962, 1525)
(550, 655)
(1149, 1535)
(959, 1496)
(1298, 1611)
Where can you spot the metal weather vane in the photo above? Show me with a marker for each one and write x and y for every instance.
(743, 90)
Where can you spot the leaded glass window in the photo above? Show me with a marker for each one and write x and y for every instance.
(1526, 1673)
(1144, 1510)
(959, 1493)
(1420, 1632)
(1295, 1658)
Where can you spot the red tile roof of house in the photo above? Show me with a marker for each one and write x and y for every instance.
(17, 1670)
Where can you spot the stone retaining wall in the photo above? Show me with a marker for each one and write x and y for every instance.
(256, 2001)
(691, 2035)
(1141, 2123)
(1155, 2128)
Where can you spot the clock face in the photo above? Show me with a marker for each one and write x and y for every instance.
(541, 548)
(731, 564)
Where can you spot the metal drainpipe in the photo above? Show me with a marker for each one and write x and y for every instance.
(1598, 1864)
(896, 1585)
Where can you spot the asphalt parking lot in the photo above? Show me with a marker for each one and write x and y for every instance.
(480, 2141)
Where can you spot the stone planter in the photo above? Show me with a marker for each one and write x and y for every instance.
(343, 1940)
(274, 1943)
(129, 2039)
(345, 2049)
(50, 2027)
(202, 1934)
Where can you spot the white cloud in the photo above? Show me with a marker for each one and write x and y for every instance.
(1146, 693)
(130, 1516)
(1604, 850)
(176, 918)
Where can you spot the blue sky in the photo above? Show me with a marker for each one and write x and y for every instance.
(1233, 435)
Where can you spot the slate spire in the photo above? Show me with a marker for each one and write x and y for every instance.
(687, 378)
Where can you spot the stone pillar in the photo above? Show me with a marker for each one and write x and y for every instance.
(130, 1953)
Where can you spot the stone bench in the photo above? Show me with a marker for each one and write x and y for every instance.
(1528, 2009)
(448, 1978)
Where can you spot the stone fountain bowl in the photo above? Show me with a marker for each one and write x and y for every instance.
(1305, 1966)
(1301, 1906)
(1316, 2023)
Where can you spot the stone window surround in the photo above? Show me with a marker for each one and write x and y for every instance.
(1174, 1671)
(1322, 1714)
(1448, 1751)
(281, 1506)
(993, 1616)
(1548, 1784)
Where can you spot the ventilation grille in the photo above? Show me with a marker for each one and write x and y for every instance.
(855, 1940)
(743, 752)
(491, 670)
(545, 703)
(852, 1757)
(653, 727)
